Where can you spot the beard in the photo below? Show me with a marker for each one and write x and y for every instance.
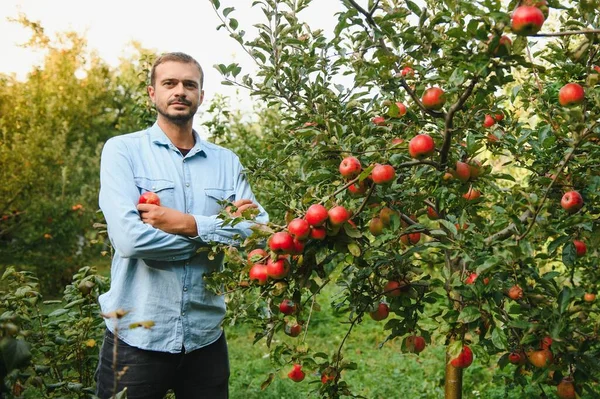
(178, 118)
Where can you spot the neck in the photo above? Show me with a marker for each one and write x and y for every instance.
(180, 134)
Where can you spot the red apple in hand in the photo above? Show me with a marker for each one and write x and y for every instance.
(464, 358)
(421, 146)
(316, 215)
(296, 374)
(571, 94)
(382, 174)
(149, 198)
(572, 202)
(527, 20)
(350, 167)
(434, 98)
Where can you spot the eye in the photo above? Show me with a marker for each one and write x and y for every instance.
(191, 85)
(168, 83)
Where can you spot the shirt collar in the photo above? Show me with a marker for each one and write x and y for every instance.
(159, 137)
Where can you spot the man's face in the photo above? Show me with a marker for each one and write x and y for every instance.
(176, 93)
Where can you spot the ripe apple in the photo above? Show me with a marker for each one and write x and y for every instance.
(464, 358)
(492, 138)
(381, 313)
(350, 167)
(462, 171)
(434, 98)
(382, 174)
(256, 255)
(316, 215)
(395, 288)
(299, 228)
(572, 201)
(287, 307)
(298, 246)
(338, 215)
(517, 358)
(378, 120)
(432, 214)
(566, 389)
(149, 198)
(411, 238)
(421, 146)
(515, 292)
(397, 141)
(279, 268)
(318, 233)
(499, 117)
(296, 374)
(376, 226)
(541, 4)
(503, 47)
(546, 342)
(580, 247)
(571, 94)
(472, 194)
(527, 20)
(475, 168)
(293, 329)
(282, 243)
(540, 358)
(358, 188)
(589, 297)
(415, 344)
(407, 71)
(258, 273)
(401, 109)
(386, 214)
(489, 121)
(471, 278)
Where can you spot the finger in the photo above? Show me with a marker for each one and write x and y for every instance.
(242, 202)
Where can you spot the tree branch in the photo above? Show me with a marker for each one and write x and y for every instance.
(567, 33)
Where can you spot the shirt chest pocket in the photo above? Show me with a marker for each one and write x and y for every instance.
(212, 197)
(165, 189)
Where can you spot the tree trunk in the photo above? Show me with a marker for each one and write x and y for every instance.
(453, 384)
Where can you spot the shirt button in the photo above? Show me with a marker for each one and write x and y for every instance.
(185, 289)
(183, 313)
(187, 184)
(184, 160)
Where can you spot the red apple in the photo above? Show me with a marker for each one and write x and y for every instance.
(546, 342)
(415, 343)
(580, 247)
(350, 167)
(282, 243)
(589, 297)
(287, 307)
(386, 214)
(566, 389)
(376, 226)
(571, 94)
(358, 188)
(378, 120)
(517, 358)
(256, 255)
(472, 194)
(149, 198)
(527, 20)
(572, 201)
(292, 329)
(407, 71)
(316, 215)
(541, 4)
(541, 358)
(463, 171)
(471, 278)
(395, 288)
(411, 238)
(258, 273)
(382, 174)
(298, 246)
(488, 121)
(433, 98)
(338, 215)
(499, 117)
(296, 374)
(475, 169)
(381, 313)
(401, 109)
(492, 138)
(421, 146)
(432, 213)
(318, 233)
(464, 358)
(397, 141)
(515, 293)
(279, 268)
(503, 47)
(299, 228)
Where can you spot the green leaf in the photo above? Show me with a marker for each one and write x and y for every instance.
(553, 246)
(450, 226)
(15, 353)
(413, 7)
(233, 23)
(499, 338)
(228, 11)
(354, 249)
(469, 314)
(563, 299)
(569, 254)
(58, 312)
(216, 3)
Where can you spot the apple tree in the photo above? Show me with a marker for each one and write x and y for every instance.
(438, 162)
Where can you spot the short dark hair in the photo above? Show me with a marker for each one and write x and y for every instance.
(177, 57)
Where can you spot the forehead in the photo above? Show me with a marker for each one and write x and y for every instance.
(177, 70)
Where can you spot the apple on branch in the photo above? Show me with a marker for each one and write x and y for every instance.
(527, 20)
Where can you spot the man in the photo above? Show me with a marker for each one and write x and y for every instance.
(157, 272)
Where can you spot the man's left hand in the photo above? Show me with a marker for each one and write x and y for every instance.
(168, 220)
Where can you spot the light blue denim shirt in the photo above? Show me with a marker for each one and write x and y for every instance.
(159, 276)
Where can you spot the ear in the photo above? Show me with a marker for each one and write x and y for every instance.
(201, 97)
(151, 93)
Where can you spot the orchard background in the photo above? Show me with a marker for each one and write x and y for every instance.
(463, 239)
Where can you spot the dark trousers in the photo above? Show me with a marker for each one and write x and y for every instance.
(200, 374)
